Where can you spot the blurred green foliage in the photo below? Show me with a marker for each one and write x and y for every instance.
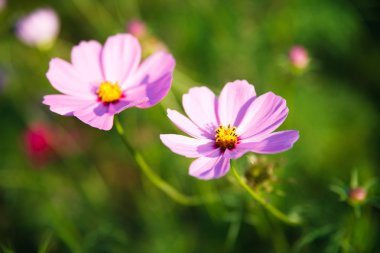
(92, 198)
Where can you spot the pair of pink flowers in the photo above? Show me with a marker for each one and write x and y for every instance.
(104, 80)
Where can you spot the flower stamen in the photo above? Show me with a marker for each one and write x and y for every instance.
(109, 92)
(226, 137)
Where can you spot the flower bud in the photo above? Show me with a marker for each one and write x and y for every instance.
(299, 57)
(357, 195)
(137, 28)
(150, 44)
(260, 173)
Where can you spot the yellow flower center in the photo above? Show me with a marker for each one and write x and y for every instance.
(226, 137)
(109, 92)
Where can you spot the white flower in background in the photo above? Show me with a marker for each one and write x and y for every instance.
(38, 29)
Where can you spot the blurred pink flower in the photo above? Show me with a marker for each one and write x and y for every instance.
(299, 57)
(3, 4)
(38, 141)
(40, 28)
(44, 142)
(104, 80)
(227, 127)
(137, 28)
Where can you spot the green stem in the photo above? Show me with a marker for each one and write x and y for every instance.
(274, 211)
(152, 176)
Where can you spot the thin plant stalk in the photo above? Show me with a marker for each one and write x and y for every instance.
(271, 209)
(165, 187)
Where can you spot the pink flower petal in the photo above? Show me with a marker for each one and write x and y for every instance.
(152, 79)
(120, 57)
(96, 116)
(200, 105)
(206, 168)
(155, 91)
(86, 59)
(68, 80)
(123, 104)
(236, 153)
(233, 102)
(187, 125)
(187, 146)
(65, 104)
(264, 115)
(272, 143)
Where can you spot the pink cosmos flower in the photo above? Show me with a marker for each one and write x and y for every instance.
(227, 127)
(40, 28)
(102, 81)
(299, 57)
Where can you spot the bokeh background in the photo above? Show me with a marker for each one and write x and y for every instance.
(66, 187)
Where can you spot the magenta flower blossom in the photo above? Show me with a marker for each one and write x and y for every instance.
(102, 81)
(227, 127)
(39, 140)
(40, 28)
